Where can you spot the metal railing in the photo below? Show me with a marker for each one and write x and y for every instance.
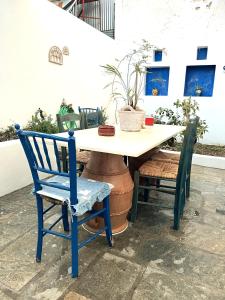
(98, 13)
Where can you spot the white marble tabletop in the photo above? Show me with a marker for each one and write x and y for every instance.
(123, 142)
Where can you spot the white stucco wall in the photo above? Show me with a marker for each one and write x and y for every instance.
(15, 172)
(181, 26)
(28, 29)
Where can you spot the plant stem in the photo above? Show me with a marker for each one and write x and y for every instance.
(135, 89)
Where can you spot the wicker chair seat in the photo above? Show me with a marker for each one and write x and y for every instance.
(166, 157)
(161, 169)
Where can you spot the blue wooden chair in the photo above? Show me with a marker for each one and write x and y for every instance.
(77, 194)
(90, 117)
(153, 173)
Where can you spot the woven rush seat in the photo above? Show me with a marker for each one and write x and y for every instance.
(152, 168)
(83, 157)
(166, 157)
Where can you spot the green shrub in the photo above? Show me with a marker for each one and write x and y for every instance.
(184, 110)
(41, 122)
(8, 134)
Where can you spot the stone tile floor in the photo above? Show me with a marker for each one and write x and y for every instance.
(148, 261)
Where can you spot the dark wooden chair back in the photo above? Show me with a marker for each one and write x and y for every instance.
(68, 121)
(90, 117)
(184, 168)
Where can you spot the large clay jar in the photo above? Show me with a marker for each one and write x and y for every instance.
(110, 168)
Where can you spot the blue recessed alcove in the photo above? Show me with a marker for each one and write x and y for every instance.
(202, 53)
(157, 78)
(201, 77)
(158, 55)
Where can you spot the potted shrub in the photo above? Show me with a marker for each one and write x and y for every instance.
(127, 84)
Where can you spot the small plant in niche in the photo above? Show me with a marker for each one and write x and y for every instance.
(198, 90)
(155, 92)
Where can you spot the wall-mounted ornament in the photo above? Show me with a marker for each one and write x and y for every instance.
(55, 55)
(65, 50)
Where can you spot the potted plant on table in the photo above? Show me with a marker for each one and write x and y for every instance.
(127, 84)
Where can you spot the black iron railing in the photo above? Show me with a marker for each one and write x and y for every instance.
(98, 13)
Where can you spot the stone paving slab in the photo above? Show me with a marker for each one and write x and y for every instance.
(3, 296)
(157, 284)
(176, 258)
(74, 296)
(205, 237)
(54, 279)
(111, 277)
(148, 261)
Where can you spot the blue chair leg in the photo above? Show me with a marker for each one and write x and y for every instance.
(74, 246)
(133, 216)
(65, 218)
(39, 202)
(108, 230)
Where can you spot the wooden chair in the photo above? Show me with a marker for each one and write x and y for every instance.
(64, 123)
(154, 172)
(163, 156)
(77, 194)
(68, 121)
(90, 117)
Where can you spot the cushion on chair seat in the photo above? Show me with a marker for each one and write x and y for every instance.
(88, 192)
(159, 169)
(83, 157)
(166, 157)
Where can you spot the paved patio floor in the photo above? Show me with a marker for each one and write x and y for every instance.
(148, 261)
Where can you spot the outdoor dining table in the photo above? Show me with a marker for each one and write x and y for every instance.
(107, 164)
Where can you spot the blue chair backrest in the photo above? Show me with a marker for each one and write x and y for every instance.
(37, 147)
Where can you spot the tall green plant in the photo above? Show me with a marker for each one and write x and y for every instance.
(129, 74)
(184, 110)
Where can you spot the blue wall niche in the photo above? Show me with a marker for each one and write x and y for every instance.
(157, 81)
(199, 80)
(158, 55)
(202, 53)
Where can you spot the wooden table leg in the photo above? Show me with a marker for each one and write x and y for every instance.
(110, 168)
